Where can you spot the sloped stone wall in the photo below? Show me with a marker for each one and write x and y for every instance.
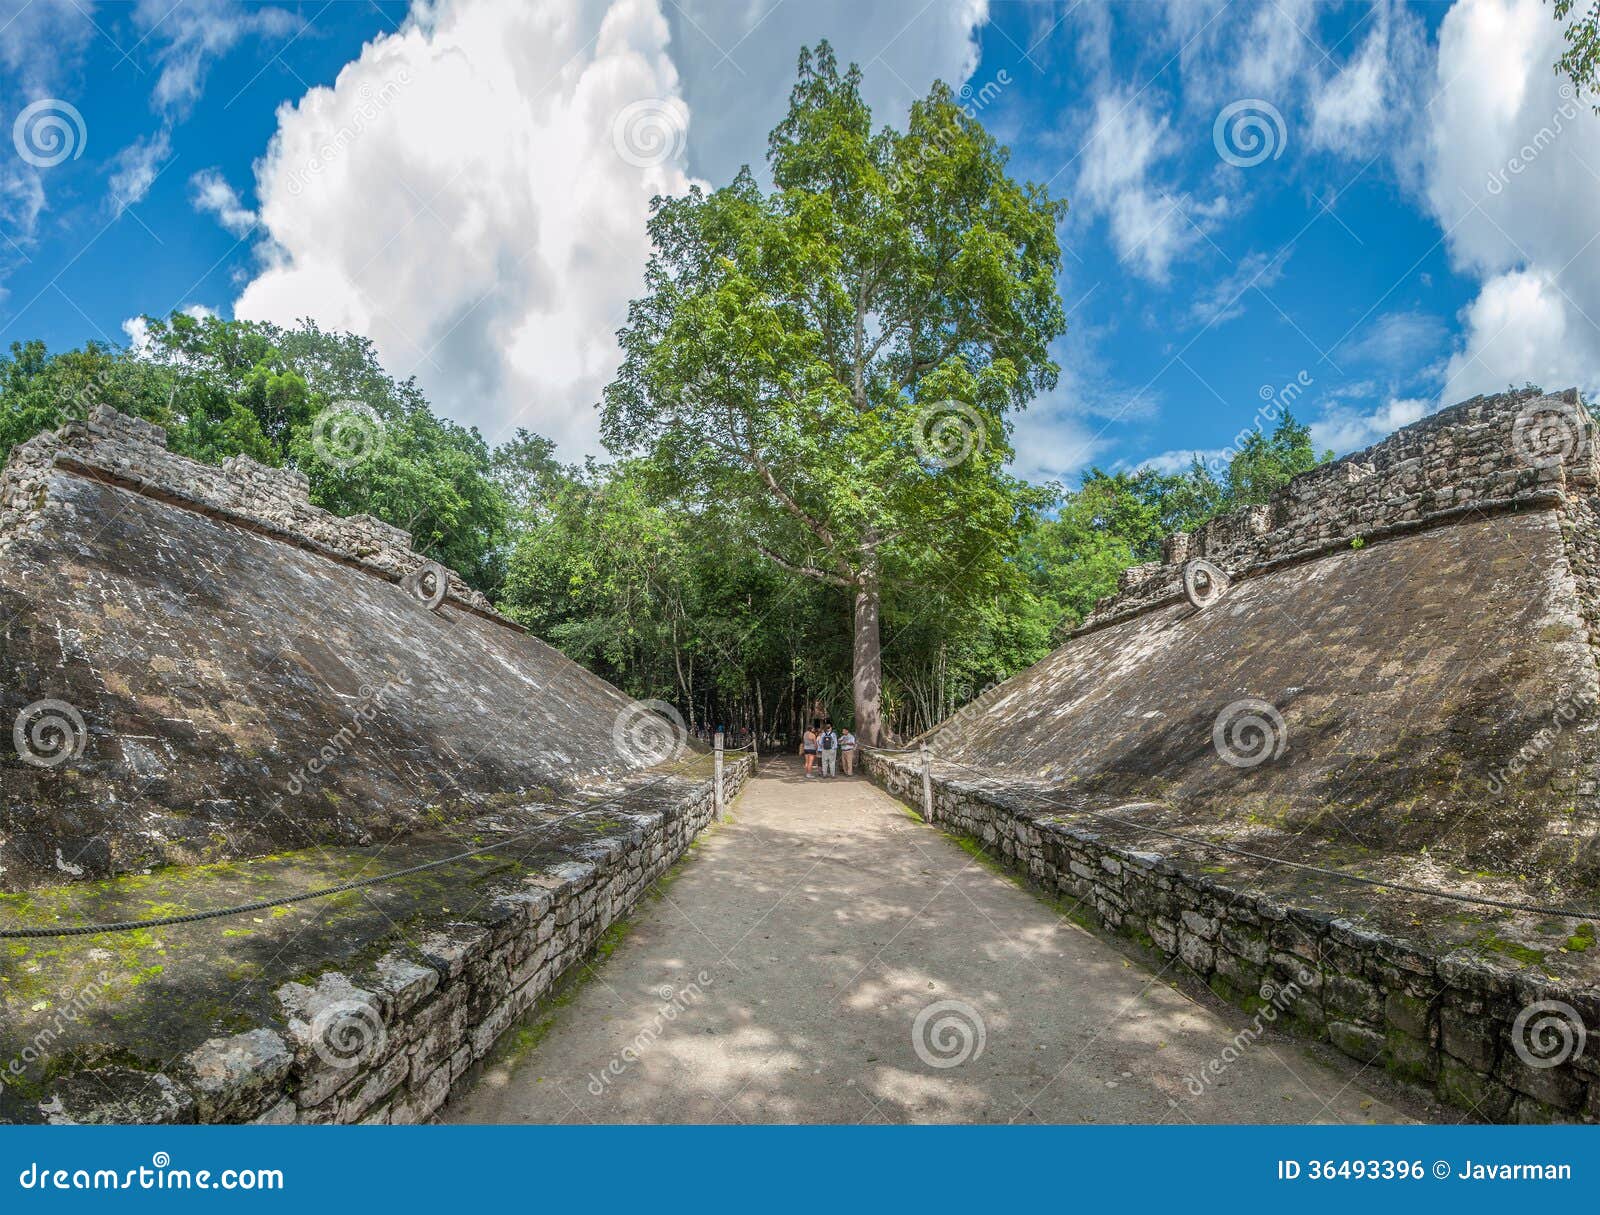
(1517, 450)
(1450, 1022)
(229, 672)
(133, 453)
(387, 1044)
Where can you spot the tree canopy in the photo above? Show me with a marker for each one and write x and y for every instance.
(828, 365)
(809, 508)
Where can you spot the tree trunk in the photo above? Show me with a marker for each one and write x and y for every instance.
(866, 676)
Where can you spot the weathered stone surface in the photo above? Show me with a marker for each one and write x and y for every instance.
(1408, 634)
(116, 1096)
(249, 666)
(233, 1079)
(1358, 655)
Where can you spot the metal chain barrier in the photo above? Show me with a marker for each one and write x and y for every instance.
(194, 917)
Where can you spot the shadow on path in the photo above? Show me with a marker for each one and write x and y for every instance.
(824, 957)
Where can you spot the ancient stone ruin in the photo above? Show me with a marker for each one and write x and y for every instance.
(1291, 754)
(217, 695)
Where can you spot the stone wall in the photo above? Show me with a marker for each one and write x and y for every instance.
(133, 453)
(387, 1044)
(1512, 451)
(213, 669)
(1454, 1023)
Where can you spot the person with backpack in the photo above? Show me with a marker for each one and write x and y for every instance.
(828, 749)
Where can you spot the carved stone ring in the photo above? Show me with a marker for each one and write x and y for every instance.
(1203, 583)
(428, 584)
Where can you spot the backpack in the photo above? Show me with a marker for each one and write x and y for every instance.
(829, 738)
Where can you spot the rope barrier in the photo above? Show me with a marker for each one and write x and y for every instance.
(1565, 913)
(193, 917)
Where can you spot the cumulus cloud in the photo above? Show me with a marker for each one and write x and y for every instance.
(472, 191)
(471, 194)
(212, 195)
(1344, 428)
(1510, 174)
(1522, 328)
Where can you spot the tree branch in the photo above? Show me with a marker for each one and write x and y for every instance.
(805, 571)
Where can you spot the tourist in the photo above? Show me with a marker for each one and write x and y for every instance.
(828, 749)
(808, 747)
(847, 752)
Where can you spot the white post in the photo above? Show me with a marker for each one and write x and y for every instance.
(720, 804)
(755, 752)
(927, 784)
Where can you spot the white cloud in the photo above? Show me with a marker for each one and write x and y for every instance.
(737, 61)
(212, 195)
(137, 167)
(1510, 174)
(1520, 329)
(459, 194)
(1369, 102)
(193, 34)
(1344, 428)
(138, 329)
(1054, 443)
(40, 42)
(1403, 343)
(1150, 223)
(1170, 462)
(1228, 296)
(1229, 52)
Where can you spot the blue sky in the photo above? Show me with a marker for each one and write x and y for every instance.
(467, 184)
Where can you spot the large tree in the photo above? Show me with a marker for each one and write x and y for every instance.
(829, 365)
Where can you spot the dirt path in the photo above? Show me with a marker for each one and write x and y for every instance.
(781, 975)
